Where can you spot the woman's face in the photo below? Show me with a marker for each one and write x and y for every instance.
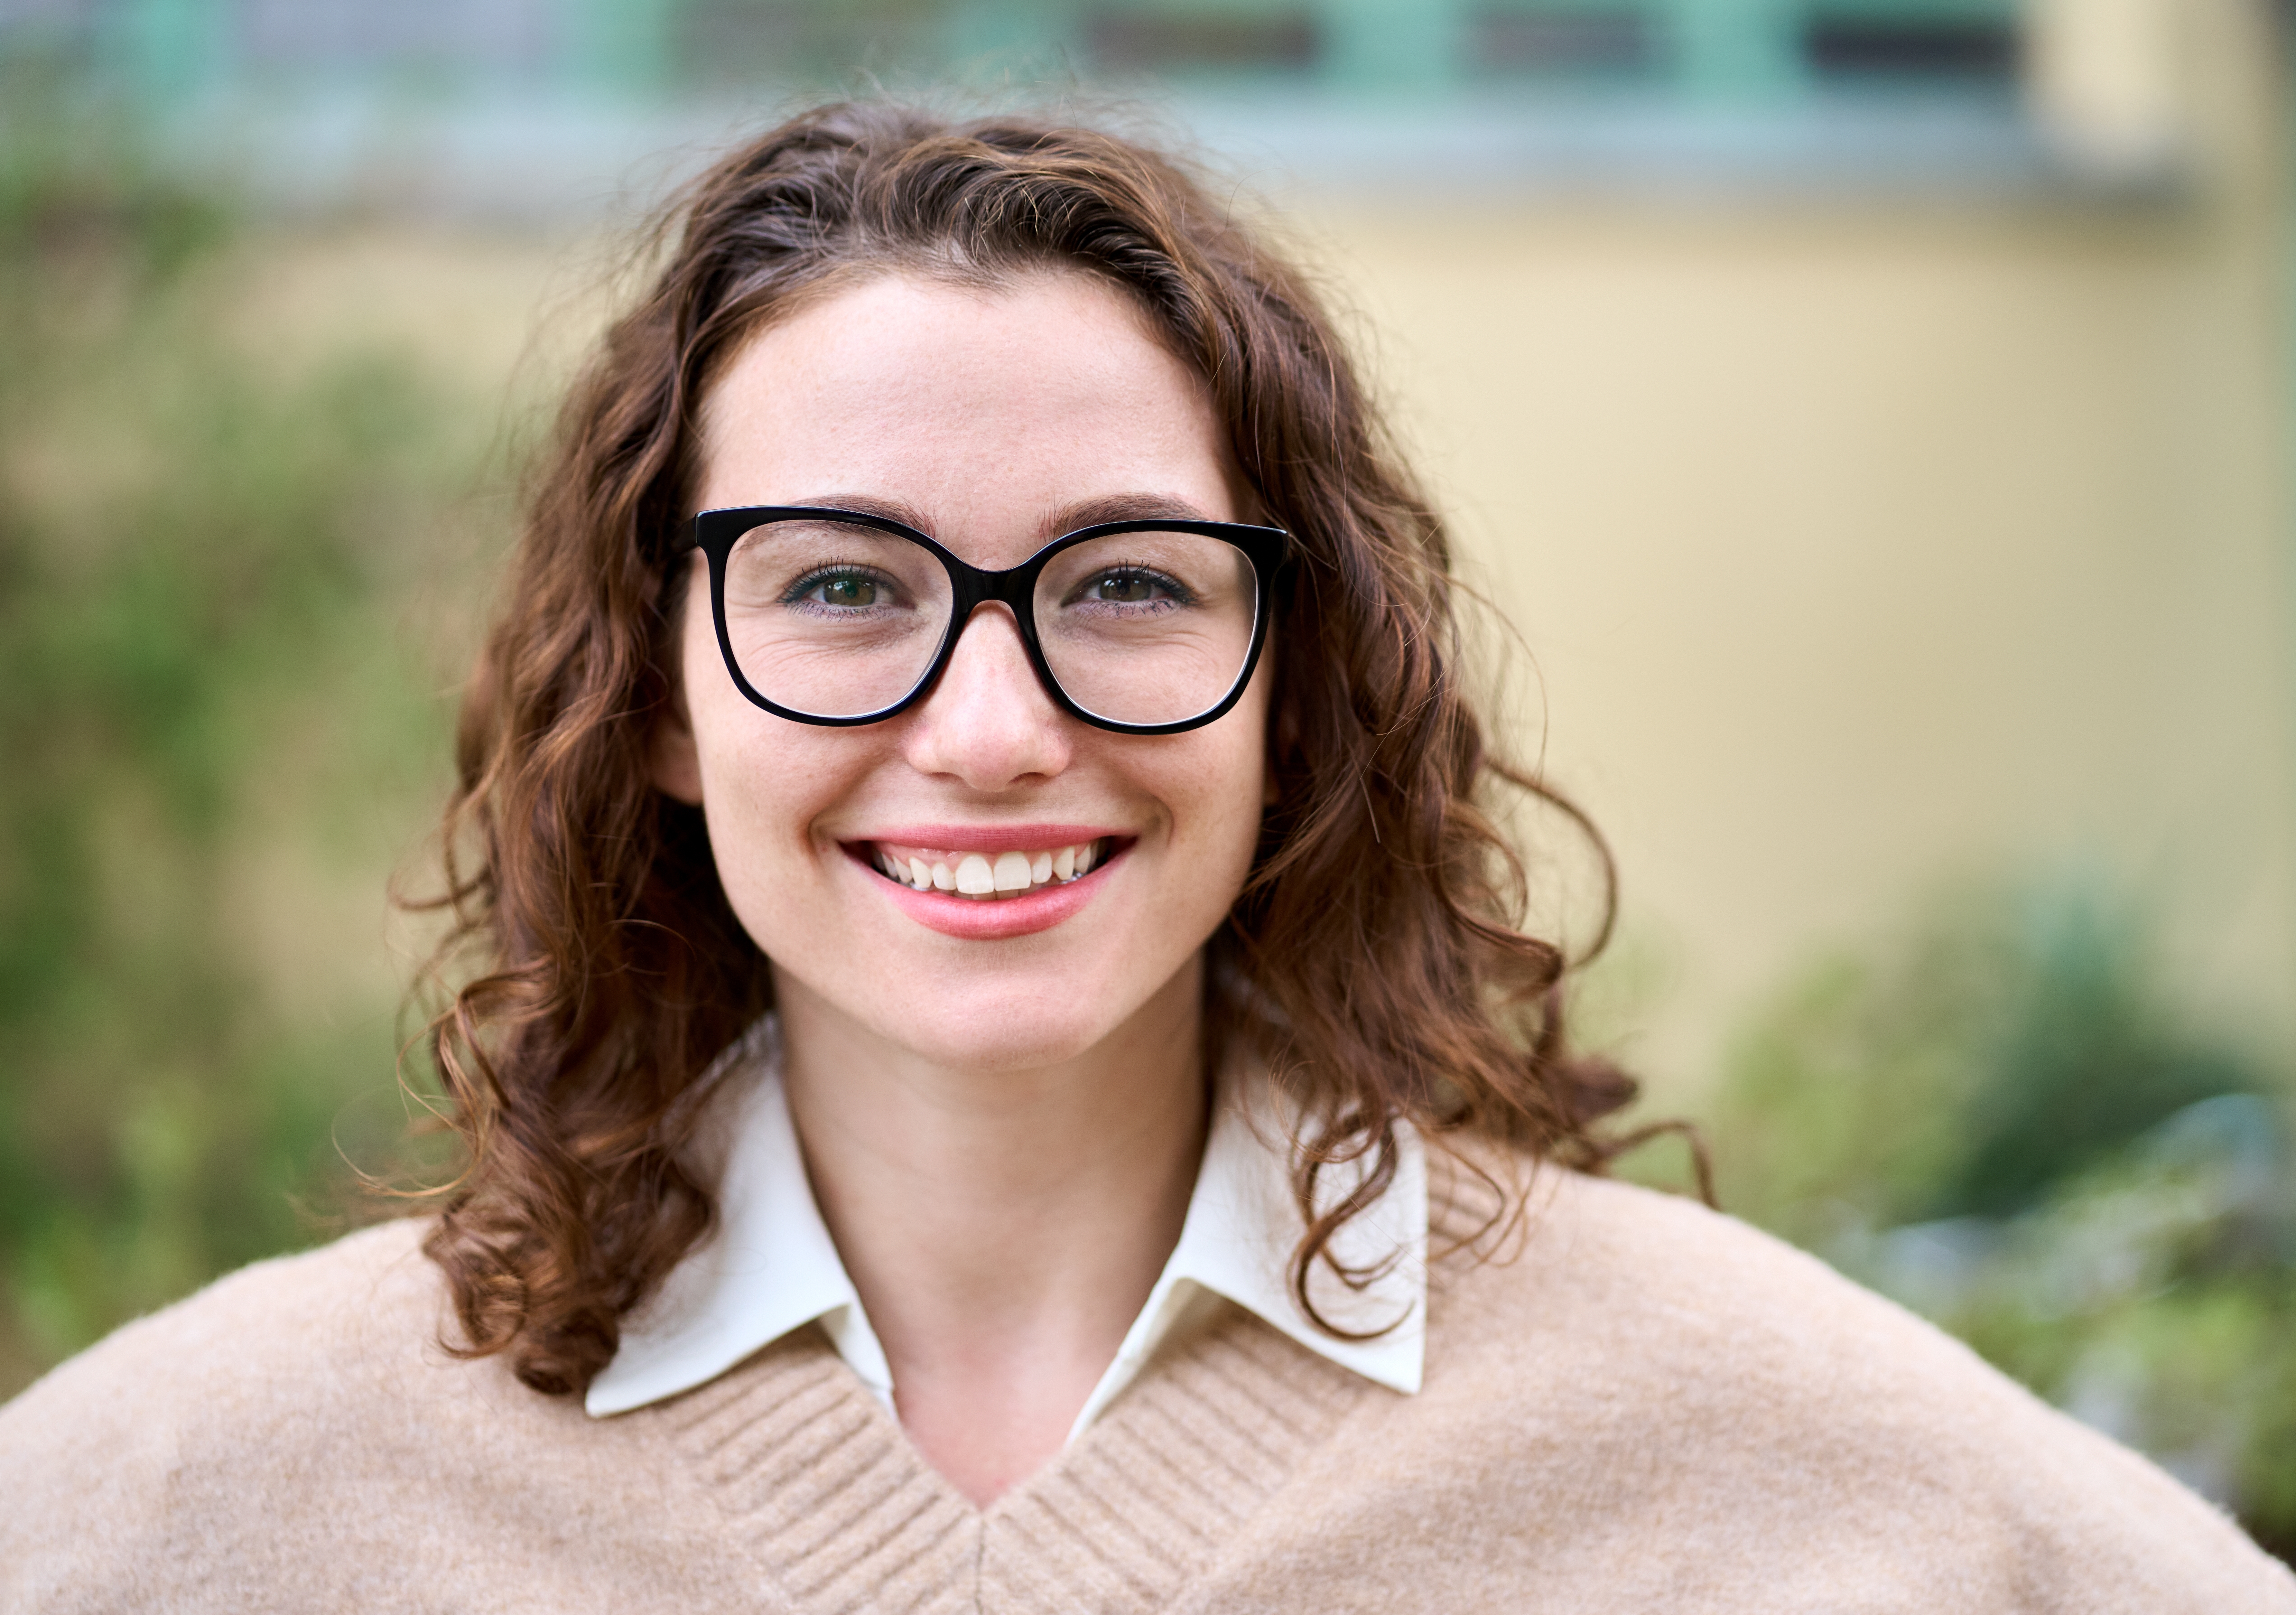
(995, 422)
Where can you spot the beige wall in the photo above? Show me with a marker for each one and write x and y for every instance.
(1866, 547)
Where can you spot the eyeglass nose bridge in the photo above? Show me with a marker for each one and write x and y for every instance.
(975, 587)
(1012, 590)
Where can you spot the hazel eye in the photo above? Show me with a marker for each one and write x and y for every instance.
(839, 591)
(1132, 585)
(855, 592)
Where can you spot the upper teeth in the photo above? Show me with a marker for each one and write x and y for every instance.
(986, 875)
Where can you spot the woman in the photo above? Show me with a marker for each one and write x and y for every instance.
(1000, 1074)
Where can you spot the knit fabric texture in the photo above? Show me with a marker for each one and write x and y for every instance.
(1631, 1405)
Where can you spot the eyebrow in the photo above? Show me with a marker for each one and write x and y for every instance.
(1118, 507)
(869, 504)
(1067, 519)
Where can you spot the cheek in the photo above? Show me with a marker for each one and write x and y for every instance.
(761, 804)
(763, 784)
(1227, 792)
(1242, 794)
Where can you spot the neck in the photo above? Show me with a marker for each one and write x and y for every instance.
(1002, 1227)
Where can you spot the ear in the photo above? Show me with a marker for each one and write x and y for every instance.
(676, 759)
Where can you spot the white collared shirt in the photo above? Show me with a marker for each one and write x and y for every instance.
(772, 1267)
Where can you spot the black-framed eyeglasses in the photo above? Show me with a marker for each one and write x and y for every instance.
(837, 617)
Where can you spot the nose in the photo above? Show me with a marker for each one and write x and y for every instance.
(989, 722)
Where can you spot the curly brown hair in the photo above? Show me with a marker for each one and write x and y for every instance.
(1375, 956)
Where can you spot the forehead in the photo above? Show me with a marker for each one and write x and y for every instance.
(984, 410)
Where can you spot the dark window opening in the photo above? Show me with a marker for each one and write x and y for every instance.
(1975, 50)
(1563, 43)
(1143, 41)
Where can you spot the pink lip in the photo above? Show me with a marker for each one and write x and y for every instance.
(990, 838)
(972, 921)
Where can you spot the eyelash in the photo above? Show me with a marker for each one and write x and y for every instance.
(1179, 592)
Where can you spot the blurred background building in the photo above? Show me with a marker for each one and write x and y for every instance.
(1872, 414)
(532, 106)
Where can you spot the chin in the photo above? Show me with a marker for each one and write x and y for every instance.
(1019, 1032)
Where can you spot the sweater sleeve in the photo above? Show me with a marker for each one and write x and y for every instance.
(143, 1470)
(295, 1438)
(1632, 1403)
(1831, 1417)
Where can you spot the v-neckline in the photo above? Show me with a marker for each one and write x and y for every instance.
(838, 1506)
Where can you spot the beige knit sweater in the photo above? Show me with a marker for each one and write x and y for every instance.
(1649, 1407)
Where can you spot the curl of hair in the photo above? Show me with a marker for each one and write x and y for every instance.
(1373, 956)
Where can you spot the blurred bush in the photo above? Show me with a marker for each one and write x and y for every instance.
(209, 701)
(2001, 1121)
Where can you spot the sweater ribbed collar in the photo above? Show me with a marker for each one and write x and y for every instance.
(772, 1267)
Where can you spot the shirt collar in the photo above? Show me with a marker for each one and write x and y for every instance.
(1242, 1224)
(770, 1268)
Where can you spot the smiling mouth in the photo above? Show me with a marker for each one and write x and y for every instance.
(988, 877)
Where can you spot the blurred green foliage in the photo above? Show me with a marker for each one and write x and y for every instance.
(209, 705)
(2003, 1120)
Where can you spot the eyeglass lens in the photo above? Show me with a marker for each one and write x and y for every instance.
(837, 620)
